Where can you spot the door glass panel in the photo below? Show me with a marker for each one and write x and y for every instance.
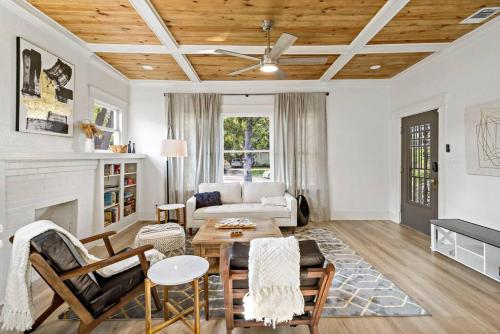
(420, 164)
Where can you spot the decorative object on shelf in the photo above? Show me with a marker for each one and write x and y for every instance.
(482, 123)
(133, 148)
(239, 223)
(45, 85)
(129, 148)
(118, 148)
(172, 148)
(91, 131)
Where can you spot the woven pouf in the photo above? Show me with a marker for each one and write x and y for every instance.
(169, 239)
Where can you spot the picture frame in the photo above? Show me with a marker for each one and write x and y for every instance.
(45, 85)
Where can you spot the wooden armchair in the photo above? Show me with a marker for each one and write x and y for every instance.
(315, 281)
(92, 297)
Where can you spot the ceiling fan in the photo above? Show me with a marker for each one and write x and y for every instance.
(270, 61)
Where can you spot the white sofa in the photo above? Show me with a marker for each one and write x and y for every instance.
(243, 201)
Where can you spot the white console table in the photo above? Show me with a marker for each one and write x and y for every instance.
(474, 246)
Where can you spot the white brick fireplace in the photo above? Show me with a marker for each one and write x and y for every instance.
(59, 187)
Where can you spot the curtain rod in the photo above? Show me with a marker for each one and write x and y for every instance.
(247, 95)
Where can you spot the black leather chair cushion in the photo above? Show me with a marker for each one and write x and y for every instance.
(61, 255)
(310, 255)
(115, 287)
(95, 292)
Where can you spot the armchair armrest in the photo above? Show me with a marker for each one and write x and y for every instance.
(105, 237)
(291, 204)
(190, 209)
(139, 251)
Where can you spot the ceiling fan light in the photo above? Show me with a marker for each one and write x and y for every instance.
(269, 68)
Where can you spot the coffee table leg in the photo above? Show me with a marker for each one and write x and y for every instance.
(147, 306)
(196, 290)
(205, 288)
(165, 303)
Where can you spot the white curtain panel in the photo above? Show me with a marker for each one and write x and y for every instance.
(300, 148)
(194, 118)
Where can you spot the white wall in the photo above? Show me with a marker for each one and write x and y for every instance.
(466, 75)
(16, 22)
(358, 142)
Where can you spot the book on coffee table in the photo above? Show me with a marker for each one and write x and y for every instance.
(235, 223)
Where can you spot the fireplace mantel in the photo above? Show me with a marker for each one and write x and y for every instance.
(16, 156)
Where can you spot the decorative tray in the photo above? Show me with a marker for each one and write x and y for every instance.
(232, 223)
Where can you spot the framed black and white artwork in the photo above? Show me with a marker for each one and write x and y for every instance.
(45, 86)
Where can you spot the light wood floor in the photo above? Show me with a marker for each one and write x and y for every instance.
(460, 299)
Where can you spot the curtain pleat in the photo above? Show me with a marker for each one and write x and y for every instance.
(300, 149)
(196, 119)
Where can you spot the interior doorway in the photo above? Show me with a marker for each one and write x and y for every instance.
(419, 170)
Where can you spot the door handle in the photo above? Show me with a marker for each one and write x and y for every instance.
(435, 166)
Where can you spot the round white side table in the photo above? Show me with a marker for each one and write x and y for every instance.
(166, 208)
(172, 271)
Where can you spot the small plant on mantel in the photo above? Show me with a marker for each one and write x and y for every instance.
(89, 129)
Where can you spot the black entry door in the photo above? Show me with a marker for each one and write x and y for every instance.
(419, 173)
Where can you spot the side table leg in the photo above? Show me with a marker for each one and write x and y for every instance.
(205, 288)
(147, 305)
(196, 290)
(165, 303)
(158, 215)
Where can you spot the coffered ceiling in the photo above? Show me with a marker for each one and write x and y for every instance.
(176, 39)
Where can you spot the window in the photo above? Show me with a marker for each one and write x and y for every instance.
(247, 148)
(108, 119)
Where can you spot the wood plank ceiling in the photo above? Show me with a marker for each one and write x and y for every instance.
(236, 23)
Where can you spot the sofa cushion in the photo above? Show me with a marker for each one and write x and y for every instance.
(210, 198)
(254, 191)
(230, 192)
(249, 210)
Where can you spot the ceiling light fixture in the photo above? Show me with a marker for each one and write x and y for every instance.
(375, 67)
(269, 68)
(148, 67)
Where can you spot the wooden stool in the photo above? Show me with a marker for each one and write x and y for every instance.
(177, 270)
(166, 208)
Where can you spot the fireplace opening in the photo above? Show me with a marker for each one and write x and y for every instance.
(62, 214)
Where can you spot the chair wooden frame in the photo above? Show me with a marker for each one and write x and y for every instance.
(62, 294)
(320, 291)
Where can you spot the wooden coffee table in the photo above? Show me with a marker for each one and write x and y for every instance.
(208, 240)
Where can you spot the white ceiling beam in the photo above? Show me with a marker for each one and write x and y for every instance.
(259, 49)
(377, 23)
(156, 24)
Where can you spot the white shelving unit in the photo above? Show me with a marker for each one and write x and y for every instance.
(119, 191)
(478, 253)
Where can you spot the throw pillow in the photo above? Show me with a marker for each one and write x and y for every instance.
(276, 201)
(211, 198)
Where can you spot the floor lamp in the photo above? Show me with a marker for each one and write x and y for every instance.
(172, 148)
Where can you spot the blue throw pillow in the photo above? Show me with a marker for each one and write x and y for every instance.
(211, 198)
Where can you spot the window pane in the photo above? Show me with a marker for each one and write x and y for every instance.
(250, 167)
(103, 116)
(108, 138)
(246, 133)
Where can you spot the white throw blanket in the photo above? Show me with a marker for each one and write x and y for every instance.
(17, 312)
(274, 281)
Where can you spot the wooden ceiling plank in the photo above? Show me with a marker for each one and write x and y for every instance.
(383, 16)
(156, 24)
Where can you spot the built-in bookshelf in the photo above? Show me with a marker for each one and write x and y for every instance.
(119, 193)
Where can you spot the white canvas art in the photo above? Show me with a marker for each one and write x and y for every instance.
(482, 124)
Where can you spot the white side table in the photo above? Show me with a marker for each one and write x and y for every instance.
(175, 271)
(166, 208)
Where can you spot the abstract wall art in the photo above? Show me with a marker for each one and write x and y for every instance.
(482, 124)
(45, 86)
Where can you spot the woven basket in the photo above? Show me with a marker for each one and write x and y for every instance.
(171, 242)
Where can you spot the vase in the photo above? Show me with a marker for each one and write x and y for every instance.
(88, 146)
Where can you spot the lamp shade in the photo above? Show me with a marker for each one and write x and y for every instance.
(173, 148)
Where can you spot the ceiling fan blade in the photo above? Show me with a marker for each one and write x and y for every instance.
(235, 54)
(303, 61)
(284, 42)
(280, 75)
(244, 69)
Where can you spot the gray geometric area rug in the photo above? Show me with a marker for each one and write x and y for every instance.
(358, 289)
